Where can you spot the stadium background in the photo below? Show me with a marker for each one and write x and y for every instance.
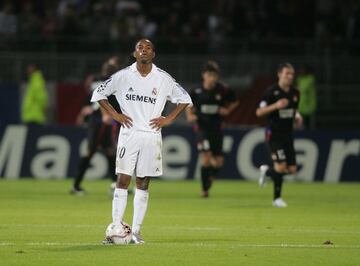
(70, 39)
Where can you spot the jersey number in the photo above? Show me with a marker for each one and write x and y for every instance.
(122, 152)
(281, 154)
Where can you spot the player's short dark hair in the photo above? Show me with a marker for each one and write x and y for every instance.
(283, 65)
(211, 66)
(34, 65)
(152, 44)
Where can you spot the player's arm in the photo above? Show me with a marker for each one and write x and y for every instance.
(265, 109)
(233, 103)
(105, 116)
(162, 121)
(224, 111)
(121, 118)
(85, 111)
(298, 120)
(181, 98)
(101, 95)
(190, 115)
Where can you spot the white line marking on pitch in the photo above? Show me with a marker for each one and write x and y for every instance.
(284, 245)
(190, 228)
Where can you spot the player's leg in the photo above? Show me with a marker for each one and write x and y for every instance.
(216, 144)
(277, 170)
(113, 140)
(110, 156)
(120, 198)
(217, 162)
(109, 147)
(127, 154)
(206, 172)
(203, 146)
(291, 157)
(141, 199)
(149, 163)
(277, 174)
(94, 131)
(83, 165)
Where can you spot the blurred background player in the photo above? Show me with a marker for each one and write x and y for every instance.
(213, 101)
(306, 84)
(279, 105)
(33, 111)
(102, 129)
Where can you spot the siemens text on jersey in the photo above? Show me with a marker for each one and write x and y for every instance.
(140, 98)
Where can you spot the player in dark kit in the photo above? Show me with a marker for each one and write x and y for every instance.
(212, 102)
(279, 104)
(102, 129)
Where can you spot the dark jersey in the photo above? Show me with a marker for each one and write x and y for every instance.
(208, 102)
(281, 122)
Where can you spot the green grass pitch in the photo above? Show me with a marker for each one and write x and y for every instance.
(42, 224)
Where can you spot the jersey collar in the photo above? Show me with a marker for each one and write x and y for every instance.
(134, 69)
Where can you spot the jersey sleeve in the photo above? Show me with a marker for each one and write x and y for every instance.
(105, 89)
(231, 96)
(265, 99)
(178, 94)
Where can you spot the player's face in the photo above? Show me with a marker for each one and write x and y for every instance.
(144, 52)
(210, 79)
(30, 69)
(286, 76)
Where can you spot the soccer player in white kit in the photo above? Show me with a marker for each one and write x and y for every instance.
(142, 90)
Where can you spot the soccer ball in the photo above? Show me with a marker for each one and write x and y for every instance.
(120, 234)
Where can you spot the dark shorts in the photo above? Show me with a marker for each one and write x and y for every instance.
(210, 140)
(282, 149)
(100, 136)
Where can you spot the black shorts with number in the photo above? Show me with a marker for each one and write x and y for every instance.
(210, 140)
(281, 148)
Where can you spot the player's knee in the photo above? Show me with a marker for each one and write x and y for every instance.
(219, 162)
(142, 183)
(281, 168)
(123, 181)
(292, 169)
(206, 159)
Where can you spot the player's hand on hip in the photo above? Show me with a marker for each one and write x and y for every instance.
(124, 120)
(159, 122)
(191, 118)
(282, 103)
(223, 111)
(87, 110)
(298, 121)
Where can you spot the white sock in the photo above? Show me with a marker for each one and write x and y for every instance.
(119, 205)
(140, 205)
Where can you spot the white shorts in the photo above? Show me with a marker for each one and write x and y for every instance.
(139, 153)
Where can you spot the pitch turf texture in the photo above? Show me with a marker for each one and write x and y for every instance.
(42, 224)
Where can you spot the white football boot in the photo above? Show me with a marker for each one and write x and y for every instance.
(279, 203)
(136, 239)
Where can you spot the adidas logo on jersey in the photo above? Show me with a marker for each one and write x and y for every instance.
(130, 89)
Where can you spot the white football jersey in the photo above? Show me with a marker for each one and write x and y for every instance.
(142, 98)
